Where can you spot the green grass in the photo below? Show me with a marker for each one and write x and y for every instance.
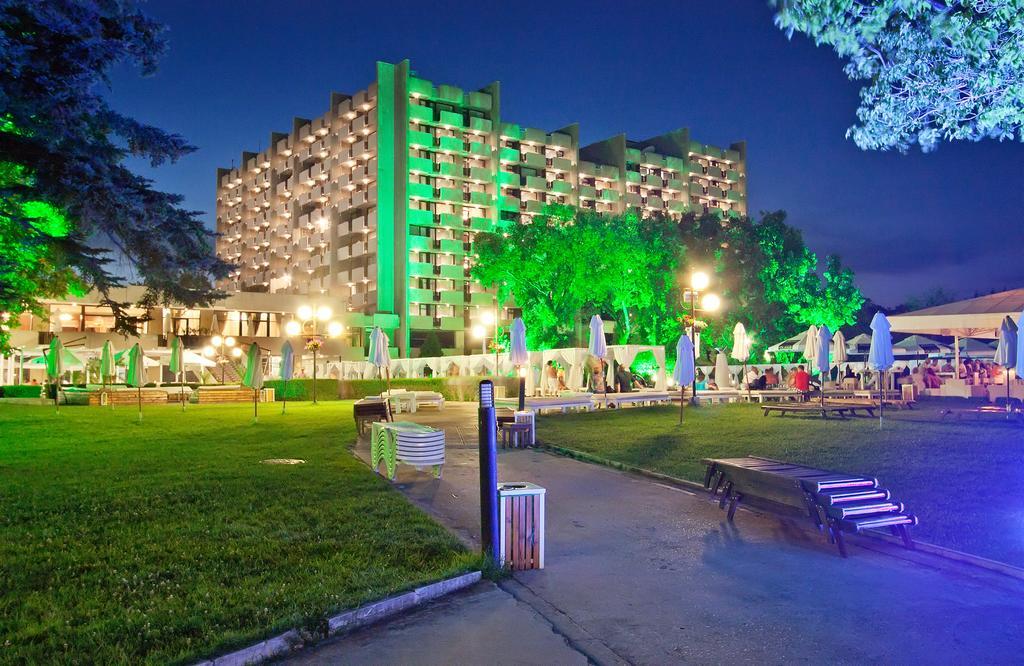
(170, 541)
(964, 480)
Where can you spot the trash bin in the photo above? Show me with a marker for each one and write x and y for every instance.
(521, 521)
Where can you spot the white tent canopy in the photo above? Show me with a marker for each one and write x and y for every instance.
(972, 318)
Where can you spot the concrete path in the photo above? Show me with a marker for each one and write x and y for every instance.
(642, 572)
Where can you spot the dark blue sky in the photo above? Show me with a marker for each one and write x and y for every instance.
(906, 223)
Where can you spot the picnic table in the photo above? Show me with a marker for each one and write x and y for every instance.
(835, 501)
(842, 410)
(775, 395)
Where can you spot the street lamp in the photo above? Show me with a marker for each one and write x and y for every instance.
(479, 331)
(307, 323)
(699, 281)
(222, 349)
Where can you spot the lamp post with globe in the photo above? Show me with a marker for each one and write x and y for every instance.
(699, 281)
(307, 323)
(479, 331)
(221, 350)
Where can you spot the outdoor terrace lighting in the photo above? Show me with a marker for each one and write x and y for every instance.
(222, 349)
(308, 322)
(699, 281)
(710, 303)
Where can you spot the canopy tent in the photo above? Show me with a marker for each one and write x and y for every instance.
(974, 348)
(68, 361)
(919, 345)
(972, 318)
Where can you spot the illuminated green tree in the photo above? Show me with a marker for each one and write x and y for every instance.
(936, 69)
(65, 194)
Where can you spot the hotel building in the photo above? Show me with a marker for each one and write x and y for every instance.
(372, 207)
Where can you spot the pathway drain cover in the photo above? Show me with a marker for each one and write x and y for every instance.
(282, 461)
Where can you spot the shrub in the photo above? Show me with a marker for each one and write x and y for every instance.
(21, 391)
(360, 388)
(302, 389)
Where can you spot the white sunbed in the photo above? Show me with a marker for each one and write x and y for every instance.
(563, 402)
(632, 398)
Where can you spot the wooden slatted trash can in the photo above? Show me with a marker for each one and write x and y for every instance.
(521, 517)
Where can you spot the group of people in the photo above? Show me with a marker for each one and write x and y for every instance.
(931, 373)
(594, 378)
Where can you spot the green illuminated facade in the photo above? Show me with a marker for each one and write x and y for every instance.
(373, 207)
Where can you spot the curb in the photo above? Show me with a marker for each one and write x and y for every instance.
(280, 645)
(919, 546)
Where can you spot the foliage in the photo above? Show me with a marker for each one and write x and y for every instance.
(66, 196)
(928, 299)
(168, 541)
(302, 389)
(936, 69)
(566, 266)
(21, 391)
(912, 455)
(360, 388)
(431, 347)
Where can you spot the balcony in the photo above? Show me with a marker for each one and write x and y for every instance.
(421, 190)
(716, 192)
(480, 173)
(657, 203)
(448, 169)
(632, 176)
(734, 195)
(478, 100)
(421, 165)
(451, 143)
(452, 324)
(450, 119)
(532, 206)
(420, 243)
(534, 135)
(560, 140)
(507, 202)
(480, 149)
(715, 172)
(633, 199)
(675, 185)
(732, 175)
(481, 298)
(420, 322)
(507, 154)
(587, 192)
(732, 155)
(535, 160)
(696, 189)
(453, 298)
(418, 139)
(420, 296)
(423, 218)
(449, 221)
(652, 159)
(609, 195)
(675, 163)
(480, 124)
(534, 183)
(480, 198)
(560, 187)
(420, 87)
(421, 113)
(453, 272)
(451, 94)
(483, 223)
(421, 269)
(560, 164)
(450, 194)
(678, 206)
(451, 246)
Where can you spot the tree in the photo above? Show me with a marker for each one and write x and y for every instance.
(937, 69)
(65, 193)
(431, 347)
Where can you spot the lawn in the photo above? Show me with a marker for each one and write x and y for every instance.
(965, 481)
(169, 540)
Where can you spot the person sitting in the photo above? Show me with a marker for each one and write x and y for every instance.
(751, 377)
(801, 380)
(623, 379)
(931, 377)
(550, 378)
(771, 379)
(948, 367)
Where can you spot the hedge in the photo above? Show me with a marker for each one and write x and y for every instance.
(302, 389)
(21, 391)
(360, 388)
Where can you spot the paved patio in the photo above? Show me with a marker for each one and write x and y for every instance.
(642, 572)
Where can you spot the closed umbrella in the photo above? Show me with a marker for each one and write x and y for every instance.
(1006, 353)
(379, 356)
(177, 366)
(821, 359)
(722, 374)
(519, 356)
(811, 344)
(880, 356)
(598, 348)
(55, 367)
(839, 354)
(253, 377)
(107, 368)
(683, 374)
(741, 344)
(287, 368)
(136, 375)
(1020, 347)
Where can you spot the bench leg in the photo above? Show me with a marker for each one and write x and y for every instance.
(733, 503)
(725, 495)
(840, 541)
(708, 474)
(905, 535)
(719, 478)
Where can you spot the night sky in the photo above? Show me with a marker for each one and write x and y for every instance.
(906, 223)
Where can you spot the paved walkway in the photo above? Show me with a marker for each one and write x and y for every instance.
(641, 572)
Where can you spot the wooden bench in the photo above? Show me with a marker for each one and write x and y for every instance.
(986, 412)
(835, 501)
(128, 396)
(840, 410)
(369, 410)
(774, 395)
(632, 398)
(209, 395)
